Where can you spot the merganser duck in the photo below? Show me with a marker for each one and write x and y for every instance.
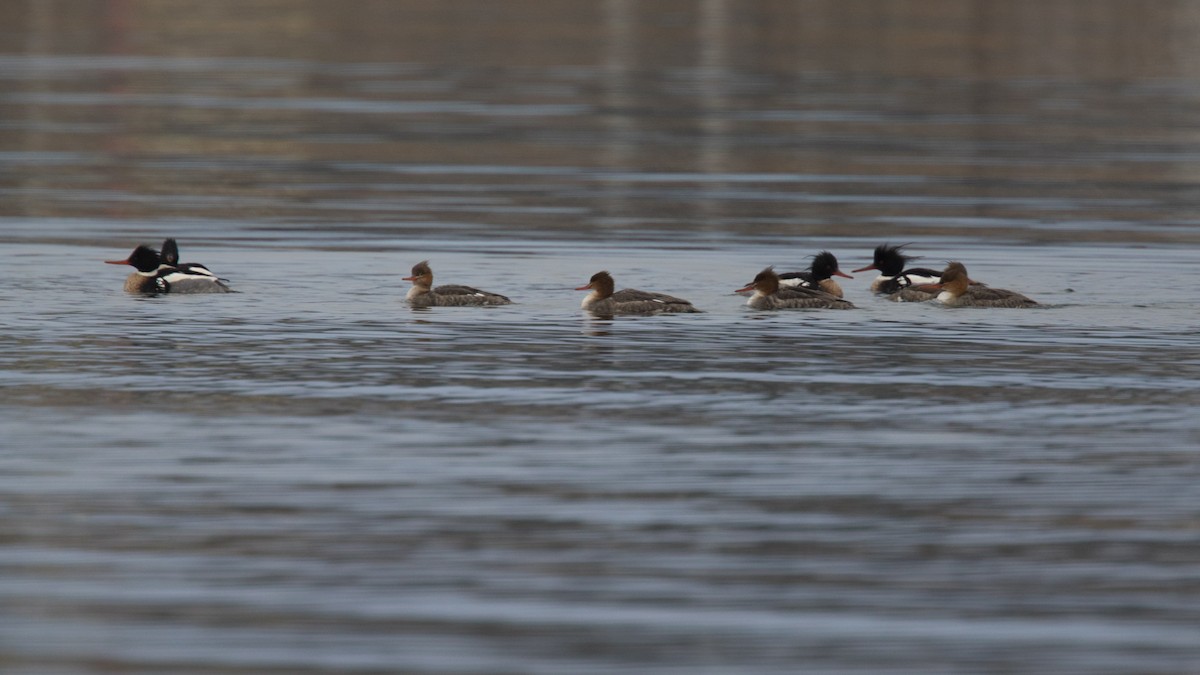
(153, 275)
(769, 295)
(422, 293)
(602, 300)
(890, 261)
(957, 290)
(170, 256)
(819, 275)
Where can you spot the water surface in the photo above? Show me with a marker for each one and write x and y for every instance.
(308, 476)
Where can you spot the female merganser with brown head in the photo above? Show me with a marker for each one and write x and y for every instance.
(769, 295)
(890, 261)
(957, 290)
(602, 300)
(154, 275)
(819, 275)
(422, 293)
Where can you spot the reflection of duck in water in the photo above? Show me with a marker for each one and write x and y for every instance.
(602, 300)
(890, 261)
(768, 294)
(422, 293)
(819, 275)
(957, 290)
(155, 275)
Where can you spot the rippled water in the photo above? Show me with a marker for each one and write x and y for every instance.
(308, 476)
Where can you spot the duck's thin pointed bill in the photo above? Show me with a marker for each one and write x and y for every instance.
(745, 288)
(839, 273)
(408, 279)
(117, 262)
(863, 269)
(584, 288)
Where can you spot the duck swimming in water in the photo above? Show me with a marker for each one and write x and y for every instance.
(154, 275)
(890, 261)
(170, 256)
(423, 294)
(604, 301)
(819, 275)
(957, 290)
(768, 294)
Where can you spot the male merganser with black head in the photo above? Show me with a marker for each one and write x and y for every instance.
(768, 294)
(422, 293)
(603, 301)
(819, 275)
(154, 275)
(957, 290)
(890, 261)
(170, 256)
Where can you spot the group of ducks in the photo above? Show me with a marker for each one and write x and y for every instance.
(814, 288)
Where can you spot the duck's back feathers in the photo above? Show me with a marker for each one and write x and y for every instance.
(453, 295)
(986, 296)
(921, 293)
(192, 280)
(809, 280)
(634, 295)
(792, 279)
(633, 301)
(799, 298)
(916, 276)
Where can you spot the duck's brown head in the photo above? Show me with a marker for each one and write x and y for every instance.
(765, 282)
(422, 275)
(601, 284)
(954, 279)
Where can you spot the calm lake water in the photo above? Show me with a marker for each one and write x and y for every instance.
(308, 476)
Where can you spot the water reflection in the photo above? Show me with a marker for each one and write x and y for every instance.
(742, 101)
(597, 326)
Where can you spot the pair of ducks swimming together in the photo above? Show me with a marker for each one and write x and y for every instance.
(161, 272)
(815, 288)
